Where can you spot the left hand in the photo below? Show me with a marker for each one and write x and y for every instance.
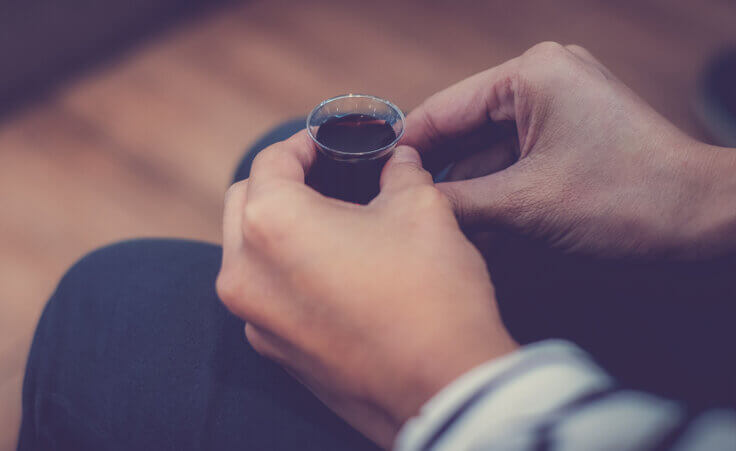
(552, 146)
(374, 308)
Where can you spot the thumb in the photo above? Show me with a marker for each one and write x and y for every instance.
(507, 197)
(403, 170)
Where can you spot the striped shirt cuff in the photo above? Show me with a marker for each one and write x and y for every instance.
(516, 391)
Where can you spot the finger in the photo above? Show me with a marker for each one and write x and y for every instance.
(227, 284)
(487, 137)
(287, 161)
(501, 198)
(495, 158)
(404, 169)
(232, 218)
(461, 109)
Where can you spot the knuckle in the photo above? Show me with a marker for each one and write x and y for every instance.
(256, 339)
(234, 190)
(227, 287)
(260, 219)
(547, 49)
(591, 64)
(575, 48)
(546, 58)
(264, 156)
(428, 197)
(547, 66)
(411, 171)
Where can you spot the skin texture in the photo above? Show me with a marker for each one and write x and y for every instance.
(552, 145)
(375, 308)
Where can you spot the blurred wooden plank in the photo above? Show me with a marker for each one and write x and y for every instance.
(186, 125)
(48, 40)
(67, 191)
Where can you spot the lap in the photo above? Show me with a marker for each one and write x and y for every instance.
(134, 350)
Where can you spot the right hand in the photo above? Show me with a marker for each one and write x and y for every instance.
(374, 307)
(552, 145)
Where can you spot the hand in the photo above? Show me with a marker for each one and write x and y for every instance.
(374, 308)
(552, 145)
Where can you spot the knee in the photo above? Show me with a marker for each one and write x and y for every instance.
(132, 271)
(138, 253)
(133, 290)
(129, 315)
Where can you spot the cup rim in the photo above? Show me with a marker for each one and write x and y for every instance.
(357, 154)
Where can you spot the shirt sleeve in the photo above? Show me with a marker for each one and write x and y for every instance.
(551, 395)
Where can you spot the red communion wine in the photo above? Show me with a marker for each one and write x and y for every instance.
(352, 175)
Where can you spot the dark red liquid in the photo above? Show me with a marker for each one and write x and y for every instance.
(353, 181)
(355, 133)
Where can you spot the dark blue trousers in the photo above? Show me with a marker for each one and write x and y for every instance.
(135, 352)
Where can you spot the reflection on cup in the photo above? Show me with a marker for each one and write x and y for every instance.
(355, 135)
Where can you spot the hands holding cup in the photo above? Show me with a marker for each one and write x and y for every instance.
(377, 307)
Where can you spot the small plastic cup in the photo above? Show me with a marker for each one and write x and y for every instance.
(344, 173)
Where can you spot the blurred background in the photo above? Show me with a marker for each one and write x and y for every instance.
(123, 119)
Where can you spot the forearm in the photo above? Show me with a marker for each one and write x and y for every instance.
(551, 394)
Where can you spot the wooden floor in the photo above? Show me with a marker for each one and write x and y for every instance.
(145, 146)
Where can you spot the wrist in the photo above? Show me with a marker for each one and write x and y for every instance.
(553, 372)
(440, 369)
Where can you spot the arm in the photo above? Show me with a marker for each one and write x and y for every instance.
(379, 308)
(351, 299)
(550, 395)
(376, 308)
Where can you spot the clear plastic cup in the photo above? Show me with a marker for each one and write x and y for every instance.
(345, 173)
